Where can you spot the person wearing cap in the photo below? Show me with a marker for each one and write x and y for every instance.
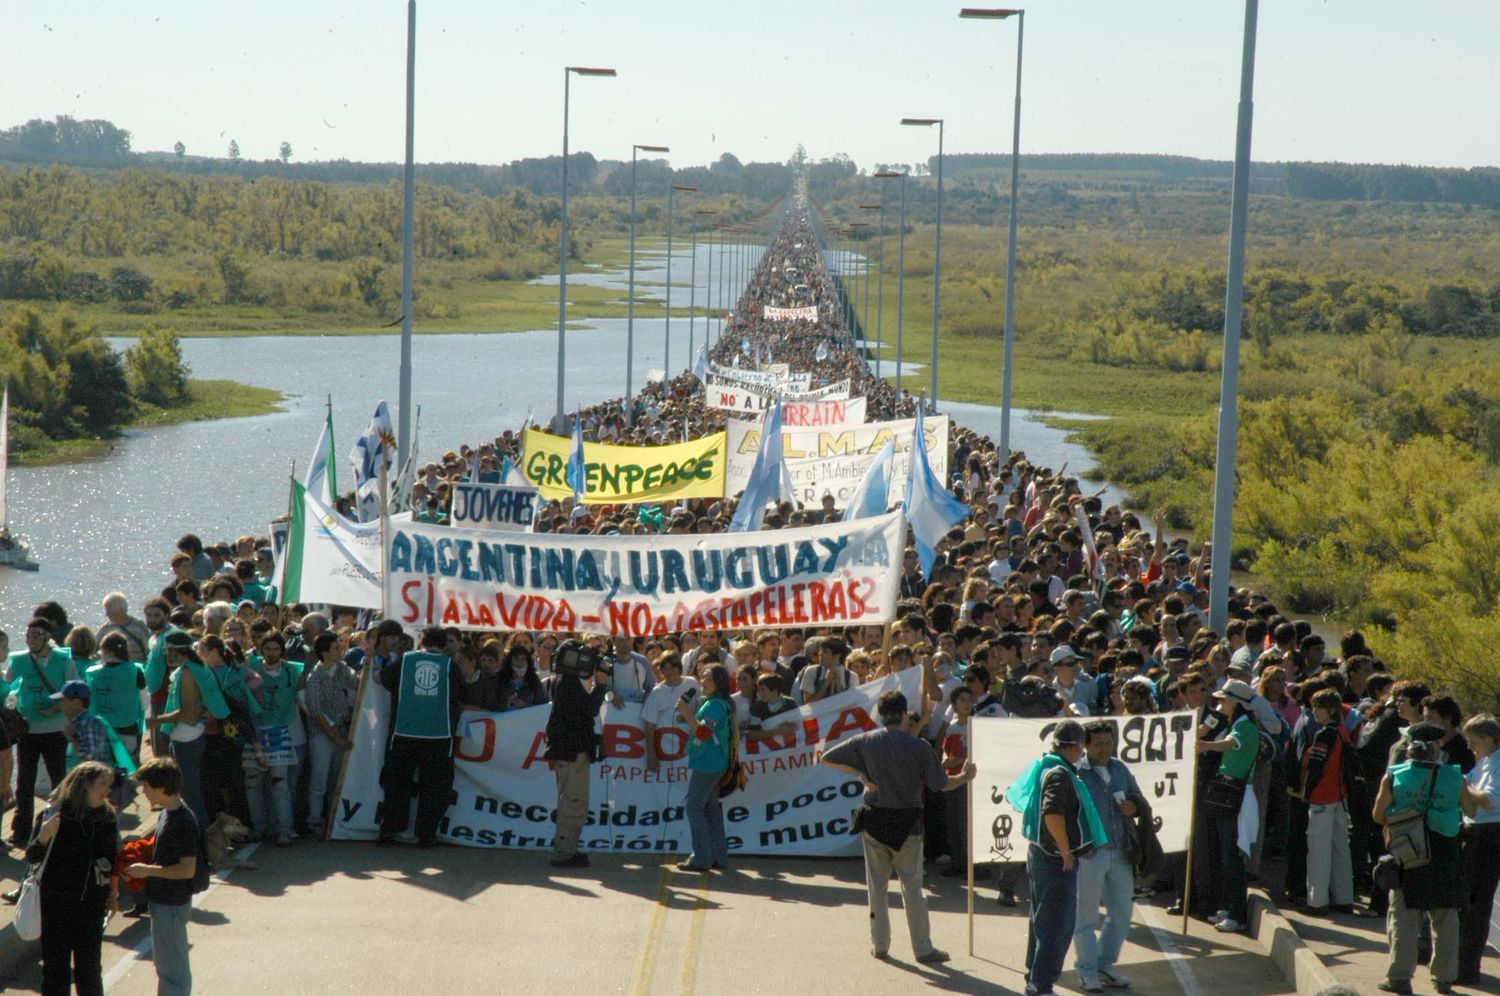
(35, 674)
(825, 673)
(1239, 749)
(1424, 781)
(193, 695)
(1078, 692)
(1061, 824)
(88, 740)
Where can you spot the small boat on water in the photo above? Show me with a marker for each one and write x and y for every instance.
(15, 550)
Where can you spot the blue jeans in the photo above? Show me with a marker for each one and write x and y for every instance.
(189, 756)
(705, 818)
(1230, 886)
(1103, 877)
(1054, 909)
(277, 782)
(169, 949)
(327, 758)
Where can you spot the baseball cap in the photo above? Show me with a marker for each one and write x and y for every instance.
(1236, 691)
(1065, 655)
(177, 640)
(1067, 733)
(74, 690)
(1423, 731)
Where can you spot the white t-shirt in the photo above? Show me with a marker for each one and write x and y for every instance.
(660, 707)
(815, 676)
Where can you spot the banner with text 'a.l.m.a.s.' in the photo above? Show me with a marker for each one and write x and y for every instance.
(833, 460)
(505, 795)
(502, 507)
(836, 574)
(1158, 749)
(727, 395)
(625, 475)
(328, 558)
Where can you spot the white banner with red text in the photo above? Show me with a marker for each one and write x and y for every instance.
(833, 460)
(504, 793)
(726, 395)
(1158, 750)
(804, 314)
(836, 574)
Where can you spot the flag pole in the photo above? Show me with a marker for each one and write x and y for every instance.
(1187, 878)
(291, 498)
(969, 832)
(354, 725)
(385, 549)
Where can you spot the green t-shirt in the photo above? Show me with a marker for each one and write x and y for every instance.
(276, 698)
(34, 695)
(1239, 760)
(711, 752)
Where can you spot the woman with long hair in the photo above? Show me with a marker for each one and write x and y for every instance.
(78, 840)
(711, 736)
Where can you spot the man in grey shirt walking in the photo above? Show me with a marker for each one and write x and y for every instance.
(895, 766)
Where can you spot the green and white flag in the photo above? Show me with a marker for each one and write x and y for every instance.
(328, 558)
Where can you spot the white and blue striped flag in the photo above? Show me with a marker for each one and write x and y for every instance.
(700, 365)
(930, 506)
(873, 496)
(769, 478)
(377, 445)
(576, 474)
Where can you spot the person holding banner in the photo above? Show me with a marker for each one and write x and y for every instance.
(711, 738)
(1061, 824)
(895, 766)
(1223, 797)
(425, 691)
(1106, 875)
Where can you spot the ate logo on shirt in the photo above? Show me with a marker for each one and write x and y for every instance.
(426, 678)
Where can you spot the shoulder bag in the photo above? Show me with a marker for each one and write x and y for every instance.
(1406, 830)
(28, 920)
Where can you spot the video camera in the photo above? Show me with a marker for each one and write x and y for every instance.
(578, 659)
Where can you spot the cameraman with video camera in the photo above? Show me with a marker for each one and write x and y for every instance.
(582, 681)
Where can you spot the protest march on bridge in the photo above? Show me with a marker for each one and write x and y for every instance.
(762, 580)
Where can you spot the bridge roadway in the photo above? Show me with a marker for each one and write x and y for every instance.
(348, 917)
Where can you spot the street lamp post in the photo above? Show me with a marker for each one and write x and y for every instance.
(1234, 300)
(408, 254)
(937, 251)
(666, 353)
(856, 229)
(1000, 14)
(865, 323)
(630, 295)
(693, 287)
(880, 283)
(559, 418)
(900, 273)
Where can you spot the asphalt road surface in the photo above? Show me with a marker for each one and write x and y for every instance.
(345, 917)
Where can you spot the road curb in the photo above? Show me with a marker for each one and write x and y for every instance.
(1297, 961)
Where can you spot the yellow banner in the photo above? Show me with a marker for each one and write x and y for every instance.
(623, 475)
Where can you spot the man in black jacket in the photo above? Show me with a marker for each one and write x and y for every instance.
(570, 748)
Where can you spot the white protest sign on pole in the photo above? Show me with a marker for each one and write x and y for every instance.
(493, 506)
(1158, 749)
(505, 795)
(806, 314)
(833, 460)
(726, 395)
(835, 574)
(760, 380)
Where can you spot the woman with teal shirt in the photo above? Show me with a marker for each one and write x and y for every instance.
(1421, 781)
(711, 736)
(269, 772)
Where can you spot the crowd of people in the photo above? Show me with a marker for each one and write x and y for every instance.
(1042, 604)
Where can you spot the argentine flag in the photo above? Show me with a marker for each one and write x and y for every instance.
(575, 474)
(930, 507)
(769, 479)
(873, 496)
(320, 479)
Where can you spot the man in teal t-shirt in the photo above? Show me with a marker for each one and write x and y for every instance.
(1239, 748)
(35, 675)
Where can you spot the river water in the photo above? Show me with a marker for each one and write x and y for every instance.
(111, 523)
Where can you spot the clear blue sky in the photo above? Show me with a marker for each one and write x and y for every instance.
(1350, 80)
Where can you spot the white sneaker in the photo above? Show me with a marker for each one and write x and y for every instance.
(1229, 925)
(1221, 915)
(1114, 980)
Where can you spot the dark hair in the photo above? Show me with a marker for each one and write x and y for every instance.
(327, 638)
(1097, 726)
(891, 708)
(273, 637)
(162, 774)
(434, 638)
(115, 645)
(720, 674)
(190, 543)
(388, 627)
(1327, 699)
(56, 615)
(1445, 706)
(211, 642)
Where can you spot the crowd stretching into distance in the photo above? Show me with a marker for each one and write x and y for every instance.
(1043, 603)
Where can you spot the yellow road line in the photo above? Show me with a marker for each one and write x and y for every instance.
(695, 938)
(646, 967)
